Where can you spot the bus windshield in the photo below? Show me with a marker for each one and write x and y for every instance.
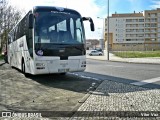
(58, 28)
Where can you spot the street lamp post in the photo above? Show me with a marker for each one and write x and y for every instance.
(107, 32)
(66, 3)
(101, 38)
(108, 35)
(103, 29)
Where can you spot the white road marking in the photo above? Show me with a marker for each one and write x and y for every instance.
(146, 81)
(83, 76)
(114, 66)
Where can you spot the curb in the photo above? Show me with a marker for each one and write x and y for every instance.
(85, 97)
(125, 61)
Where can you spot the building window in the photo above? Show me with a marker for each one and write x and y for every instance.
(141, 20)
(128, 39)
(153, 25)
(128, 20)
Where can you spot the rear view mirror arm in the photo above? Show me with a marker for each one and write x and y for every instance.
(91, 22)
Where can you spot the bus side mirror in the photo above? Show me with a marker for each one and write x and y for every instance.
(92, 26)
(91, 22)
(30, 21)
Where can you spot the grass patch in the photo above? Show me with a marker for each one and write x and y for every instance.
(137, 54)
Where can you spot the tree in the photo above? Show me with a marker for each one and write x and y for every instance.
(9, 16)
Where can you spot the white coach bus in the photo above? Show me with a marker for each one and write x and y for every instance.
(48, 40)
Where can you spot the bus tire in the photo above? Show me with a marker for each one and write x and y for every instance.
(23, 70)
(23, 67)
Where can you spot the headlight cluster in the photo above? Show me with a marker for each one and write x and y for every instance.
(40, 65)
(83, 64)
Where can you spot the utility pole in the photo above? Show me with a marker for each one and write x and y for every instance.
(108, 35)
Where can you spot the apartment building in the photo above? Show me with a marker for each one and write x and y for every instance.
(134, 31)
(152, 29)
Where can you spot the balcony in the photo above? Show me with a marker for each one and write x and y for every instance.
(153, 31)
(147, 31)
(147, 26)
(153, 15)
(153, 21)
(147, 20)
(153, 36)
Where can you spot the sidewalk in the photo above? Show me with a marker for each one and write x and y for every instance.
(112, 57)
(118, 101)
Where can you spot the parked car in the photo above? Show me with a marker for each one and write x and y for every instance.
(99, 49)
(95, 52)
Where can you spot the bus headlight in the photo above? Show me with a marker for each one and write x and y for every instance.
(40, 66)
(83, 64)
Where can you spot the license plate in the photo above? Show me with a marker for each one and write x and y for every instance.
(63, 70)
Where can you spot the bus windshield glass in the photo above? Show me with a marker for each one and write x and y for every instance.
(58, 28)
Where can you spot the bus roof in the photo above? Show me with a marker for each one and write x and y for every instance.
(47, 8)
(54, 8)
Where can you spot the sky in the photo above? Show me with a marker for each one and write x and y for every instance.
(93, 8)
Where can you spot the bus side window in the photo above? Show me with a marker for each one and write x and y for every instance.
(16, 33)
(72, 27)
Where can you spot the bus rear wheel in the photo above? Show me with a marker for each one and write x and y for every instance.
(24, 71)
(23, 67)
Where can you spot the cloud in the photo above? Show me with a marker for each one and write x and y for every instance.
(156, 4)
(88, 8)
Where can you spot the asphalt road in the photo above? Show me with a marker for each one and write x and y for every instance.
(124, 72)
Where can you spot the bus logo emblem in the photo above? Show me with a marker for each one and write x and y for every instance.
(40, 52)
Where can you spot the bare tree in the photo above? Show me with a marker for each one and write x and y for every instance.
(9, 17)
(3, 5)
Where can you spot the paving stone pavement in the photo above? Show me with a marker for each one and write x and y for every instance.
(118, 97)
